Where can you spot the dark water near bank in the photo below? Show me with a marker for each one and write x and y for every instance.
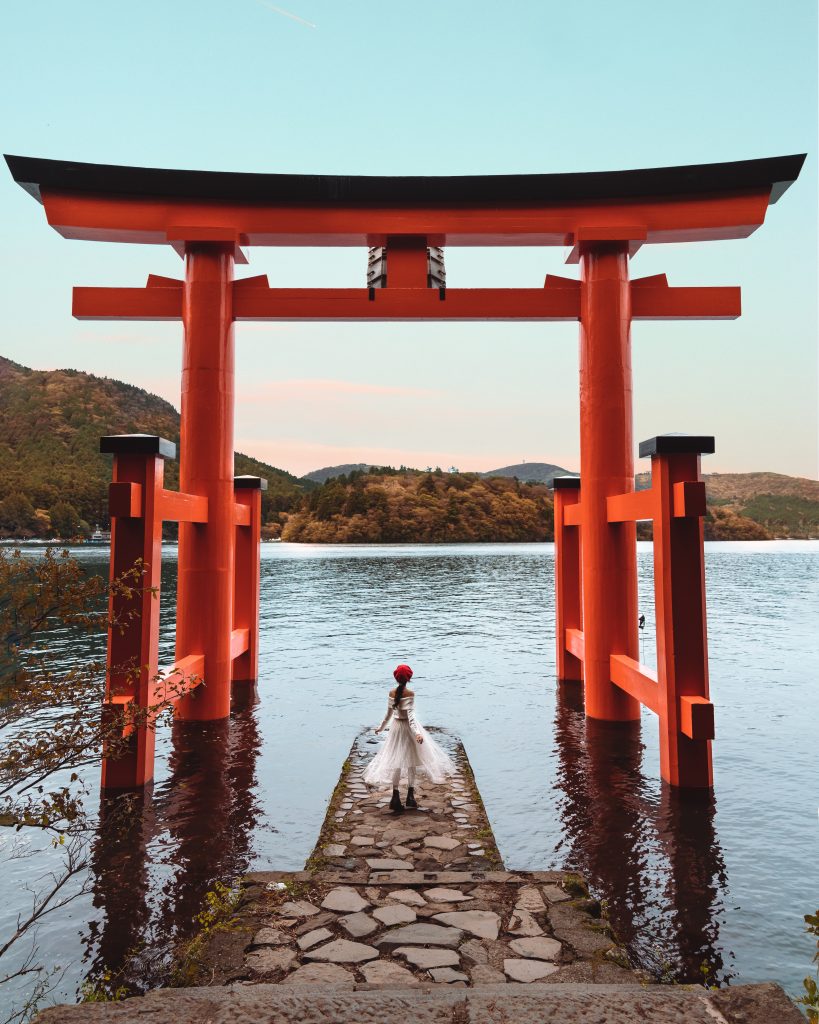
(721, 881)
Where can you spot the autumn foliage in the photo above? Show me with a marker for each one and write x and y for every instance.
(407, 506)
(728, 524)
(53, 480)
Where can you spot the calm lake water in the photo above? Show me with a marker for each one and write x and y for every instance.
(722, 881)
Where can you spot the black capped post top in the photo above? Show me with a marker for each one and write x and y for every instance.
(565, 482)
(775, 173)
(677, 444)
(250, 483)
(137, 444)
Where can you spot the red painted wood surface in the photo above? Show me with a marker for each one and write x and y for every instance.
(677, 692)
(608, 551)
(258, 302)
(246, 590)
(133, 637)
(129, 218)
(206, 550)
(568, 597)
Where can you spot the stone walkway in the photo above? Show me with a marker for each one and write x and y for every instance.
(394, 913)
(396, 900)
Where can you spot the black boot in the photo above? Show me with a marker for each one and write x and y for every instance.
(395, 803)
(411, 797)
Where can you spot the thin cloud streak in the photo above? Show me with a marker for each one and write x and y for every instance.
(287, 14)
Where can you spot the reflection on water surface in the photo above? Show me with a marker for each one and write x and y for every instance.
(720, 881)
(199, 821)
(621, 835)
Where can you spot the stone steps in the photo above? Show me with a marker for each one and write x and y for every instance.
(419, 897)
(441, 1004)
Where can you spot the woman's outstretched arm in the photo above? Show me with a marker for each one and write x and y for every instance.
(387, 717)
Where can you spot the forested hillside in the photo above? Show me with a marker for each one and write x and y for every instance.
(394, 506)
(758, 506)
(53, 481)
(387, 506)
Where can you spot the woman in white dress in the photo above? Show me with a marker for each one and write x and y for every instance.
(409, 748)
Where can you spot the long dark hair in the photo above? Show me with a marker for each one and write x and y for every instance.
(399, 692)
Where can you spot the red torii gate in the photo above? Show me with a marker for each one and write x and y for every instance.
(605, 217)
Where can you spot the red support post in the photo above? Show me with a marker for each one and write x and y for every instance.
(685, 712)
(206, 550)
(609, 551)
(568, 596)
(133, 637)
(248, 490)
(407, 261)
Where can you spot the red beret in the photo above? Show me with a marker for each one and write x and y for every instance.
(403, 673)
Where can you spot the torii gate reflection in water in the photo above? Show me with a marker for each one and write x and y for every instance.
(605, 217)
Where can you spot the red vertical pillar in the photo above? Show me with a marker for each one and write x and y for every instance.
(206, 550)
(246, 591)
(133, 636)
(568, 597)
(686, 713)
(609, 551)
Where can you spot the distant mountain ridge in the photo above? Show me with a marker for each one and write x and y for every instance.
(321, 476)
(530, 472)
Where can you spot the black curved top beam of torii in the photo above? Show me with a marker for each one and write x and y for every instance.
(700, 202)
(775, 173)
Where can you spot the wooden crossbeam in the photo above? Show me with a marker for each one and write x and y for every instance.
(151, 303)
(176, 507)
(239, 640)
(631, 507)
(689, 498)
(664, 303)
(575, 643)
(180, 679)
(636, 506)
(361, 304)
(559, 299)
(639, 681)
(697, 718)
(125, 499)
(170, 685)
(112, 708)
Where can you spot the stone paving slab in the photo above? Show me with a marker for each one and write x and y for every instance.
(440, 1004)
(437, 884)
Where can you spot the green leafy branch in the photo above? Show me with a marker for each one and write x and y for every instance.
(810, 999)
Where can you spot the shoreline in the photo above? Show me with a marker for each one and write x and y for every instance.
(646, 544)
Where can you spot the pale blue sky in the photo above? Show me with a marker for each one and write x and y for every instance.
(415, 88)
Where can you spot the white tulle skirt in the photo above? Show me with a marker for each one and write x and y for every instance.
(402, 752)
